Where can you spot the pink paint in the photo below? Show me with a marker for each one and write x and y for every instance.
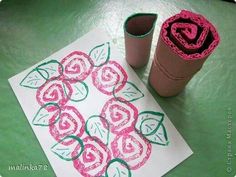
(107, 76)
(188, 31)
(53, 91)
(132, 148)
(93, 160)
(122, 116)
(71, 122)
(77, 66)
(181, 30)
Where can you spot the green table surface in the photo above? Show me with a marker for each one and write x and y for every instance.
(204, 113)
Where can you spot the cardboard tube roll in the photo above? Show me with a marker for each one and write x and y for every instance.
(185, 42)
(138, 32)
(173, 62)
(166, 85)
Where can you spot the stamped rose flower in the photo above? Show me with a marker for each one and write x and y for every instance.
(106, 77)
(93, 160)
(77, 66)
(53, 92)
(121, 116)
(70, 122)
(132, 148)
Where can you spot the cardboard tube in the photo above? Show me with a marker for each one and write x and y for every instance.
(138, 32)
(164, 83)
(185, 42)
(173, 63)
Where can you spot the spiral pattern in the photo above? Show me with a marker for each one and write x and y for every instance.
(107, 76)
(70, 122)
(132, 148)
(121, 116)
(93, 160)
(52, 91)
(77, 66)
(190, 35)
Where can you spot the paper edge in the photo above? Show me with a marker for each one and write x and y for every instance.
(103, 30)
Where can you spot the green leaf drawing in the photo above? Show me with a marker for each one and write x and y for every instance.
(100, 54)
(97, 128)
(150, 125)
(130, 92)
(34, 79)
(117, 168)
(66, 152)
(43, 116)
(38, 76)
(148, 115)
(159, 137)
(80, 91)
(51, 67)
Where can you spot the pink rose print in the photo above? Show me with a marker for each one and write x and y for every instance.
(70, 122)
(132, 148)
(122, 116)
(53, 91)
(107, 76)
(90, 145)
(77, 66)
(93, 160)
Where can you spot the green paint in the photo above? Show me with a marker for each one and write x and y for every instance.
(129, 94)
(34, 79)
(154, 130)
(65, 152)
(43, 116)
(153, 134)
(82, 92)
(137, 15)
(39, 75)
(98, 126)
(119, 171)
(100, 54)
(165, 143)
(79, 91)
(151, 113)
(99, 130)
(37, 120)
(53, 66)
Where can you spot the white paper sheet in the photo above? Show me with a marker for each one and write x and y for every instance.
(94, 117)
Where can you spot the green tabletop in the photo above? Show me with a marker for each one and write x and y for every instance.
(204, 113)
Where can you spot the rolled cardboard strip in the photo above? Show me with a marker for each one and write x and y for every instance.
(138, 32)
(166, 85)
(173, 62)
(185, 42)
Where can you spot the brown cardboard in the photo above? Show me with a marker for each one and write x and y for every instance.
(165, 84)
(186, 40)
(138, 32)
(173, 63)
